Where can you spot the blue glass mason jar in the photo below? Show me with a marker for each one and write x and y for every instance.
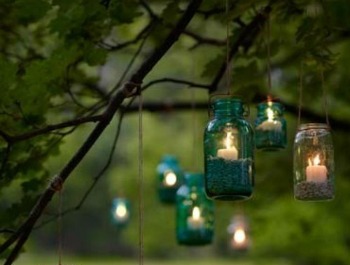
(170, 178)
(313, 163)
(270, 127)
(121, 212)
(194, 212)
(229, 152)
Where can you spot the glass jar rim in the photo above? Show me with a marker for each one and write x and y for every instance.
(313, 125)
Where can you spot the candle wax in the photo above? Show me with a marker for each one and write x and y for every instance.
(228, 153)
(316, 173)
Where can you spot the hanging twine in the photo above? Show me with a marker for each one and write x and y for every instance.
(268, 35)
(325, 102)
(194, 127)
(300, 91)
(228, 64)
(140, 176)
(59, 227)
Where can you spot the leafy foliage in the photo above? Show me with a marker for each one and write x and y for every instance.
(54, 56)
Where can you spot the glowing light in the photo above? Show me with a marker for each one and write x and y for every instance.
(196, 213)
(270, 114)
(170, 178)
(239, 236)
(315, 161)
(229, 140)
(121, 211)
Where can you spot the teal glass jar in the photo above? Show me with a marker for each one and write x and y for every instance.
(194, 213)
(170, 178)
(270, 127)
(313, 163)
(120, 212)
(229, 152)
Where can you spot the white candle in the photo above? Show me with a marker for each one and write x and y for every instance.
(121, 213)
(195, 221)
(316, 172)
(270, 124)
(230, 152)
(170, 179)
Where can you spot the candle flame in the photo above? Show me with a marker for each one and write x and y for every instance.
(315, 161)
(229, 140)
(196, 213)
(239, 236)
(170, 178)
(270, 114)
(121, 211)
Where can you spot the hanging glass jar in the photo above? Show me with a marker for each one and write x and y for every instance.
(270, 126)
(239, 233)
(194, 212)
(170, 178)
(120, 211)
(313, 163)
(229, 152)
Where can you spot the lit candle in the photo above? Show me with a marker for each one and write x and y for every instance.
(270, 124)
(316, 172)
(195, 221)
(239, 236)
(230, 152)
(170, 178)
(121, 213)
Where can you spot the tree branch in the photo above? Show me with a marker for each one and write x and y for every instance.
(18, 138)
(176, 81)
(245, 39)
(25, 229)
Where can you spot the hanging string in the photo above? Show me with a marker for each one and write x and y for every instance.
(325, 102)
(59, 227)
(140, 186)
(228, 64)
(194, 127)
(268, 36)
(300, 91)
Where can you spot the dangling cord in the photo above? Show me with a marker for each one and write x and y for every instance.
(300, 91)
(140, 173)
(228, 64)
(59, 226)
(268, 35)
(325, 102)
(194, 128)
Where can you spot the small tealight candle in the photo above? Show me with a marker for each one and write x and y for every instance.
(195, 221)
(270, 124)
(239, 236)
(170, 179)
(316, 172)
(230, 152)
(121, 213)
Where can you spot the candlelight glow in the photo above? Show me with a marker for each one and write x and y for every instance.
(270, 114)
(315, 161)
(196, 213)
(121, 211)
(229, 140)
(170, 178)
(239, 236)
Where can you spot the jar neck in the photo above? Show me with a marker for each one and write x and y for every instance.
(312, 126)
(275, 109)
(228, 107)
(170, 160)
(194, 179)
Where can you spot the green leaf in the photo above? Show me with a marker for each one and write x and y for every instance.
(124, 11)
(171, 12)
(28, 11)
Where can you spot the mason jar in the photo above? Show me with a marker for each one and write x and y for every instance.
(270, 126)
(313, 163)
(169, 177)
(194, 212)
(121, 211)
(229, 152)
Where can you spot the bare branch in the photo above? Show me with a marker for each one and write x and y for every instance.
(176, 81)
(25, 229)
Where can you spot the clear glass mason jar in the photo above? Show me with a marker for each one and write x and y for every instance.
(313, 163)
(170, 178)
(270, 126)
(229, 152)
(121, 211)
(194, 212)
